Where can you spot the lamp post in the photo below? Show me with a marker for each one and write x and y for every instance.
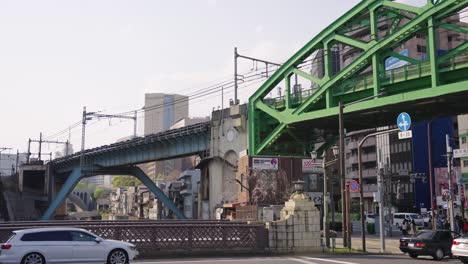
(325, 164)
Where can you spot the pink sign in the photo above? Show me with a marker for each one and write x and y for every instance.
(441, 180)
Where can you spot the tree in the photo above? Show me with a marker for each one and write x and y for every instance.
(125, 181)
(99, 193)
(81, 185)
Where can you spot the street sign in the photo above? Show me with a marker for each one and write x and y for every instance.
(460, 153)
(312, 165)
(405, 134)
(353, 186)
(404, 121)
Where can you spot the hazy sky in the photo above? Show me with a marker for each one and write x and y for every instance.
(58, 56)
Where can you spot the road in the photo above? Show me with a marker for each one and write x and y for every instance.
(318, 259)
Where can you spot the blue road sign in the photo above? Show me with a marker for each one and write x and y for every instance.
(353, 186)
(404, 122)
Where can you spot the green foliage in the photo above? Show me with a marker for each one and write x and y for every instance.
(99, 193)
(125, 181)
(82, 185)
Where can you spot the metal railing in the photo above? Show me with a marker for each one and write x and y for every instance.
(365, 81)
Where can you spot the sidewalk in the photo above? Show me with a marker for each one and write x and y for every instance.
(373, 244)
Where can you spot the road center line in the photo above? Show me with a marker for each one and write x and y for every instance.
(329, 260)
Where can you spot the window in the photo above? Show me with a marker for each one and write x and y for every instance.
(463, 140)
(421, 48)
(444, 236)
(425, 234)
(420, 36)
(449, 39)
(47, 236)
(465, 163)
(81, 236)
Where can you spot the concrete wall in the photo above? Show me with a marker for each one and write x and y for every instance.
(229, 137)
(298, 230)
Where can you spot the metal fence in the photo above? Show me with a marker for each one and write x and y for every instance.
(164, 237)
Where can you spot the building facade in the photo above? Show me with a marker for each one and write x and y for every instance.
(189, 191)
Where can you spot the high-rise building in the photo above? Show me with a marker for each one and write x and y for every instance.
(163, 110)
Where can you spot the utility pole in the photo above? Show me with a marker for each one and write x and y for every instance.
(235, 75)
(381, 201)
(342, 175)
(237, 55)
(449, 172)
(41, 141)
(29, 150)
(40, 146)
(83, 136)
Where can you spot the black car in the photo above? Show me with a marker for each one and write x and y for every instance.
(435, 243)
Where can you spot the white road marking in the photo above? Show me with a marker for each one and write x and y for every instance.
(302, 261)
(210, 260)
(329, 260)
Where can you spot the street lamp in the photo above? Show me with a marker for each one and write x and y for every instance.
(325, 164)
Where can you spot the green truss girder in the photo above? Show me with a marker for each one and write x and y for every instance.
(373, 54)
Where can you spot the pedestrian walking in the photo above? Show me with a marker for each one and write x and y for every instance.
(404, 231)
(461, 225)
(413, 227)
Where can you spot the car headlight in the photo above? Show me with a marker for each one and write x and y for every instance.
(133, 248)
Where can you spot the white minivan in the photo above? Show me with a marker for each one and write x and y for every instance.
(63, 245)
(399, 217)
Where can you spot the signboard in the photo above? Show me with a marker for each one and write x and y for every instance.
(460, 153)
(405, 134)
(312, 165)
(393, 63)
(353, 186)
(265, 163)
(317, 197)
(404, 122)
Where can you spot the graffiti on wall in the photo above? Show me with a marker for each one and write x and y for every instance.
(269, 187)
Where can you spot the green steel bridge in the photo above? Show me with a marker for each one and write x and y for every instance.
(348, 62)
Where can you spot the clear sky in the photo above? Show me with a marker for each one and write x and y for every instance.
(58, 56)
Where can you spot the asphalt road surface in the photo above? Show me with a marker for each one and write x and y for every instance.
(319, 259)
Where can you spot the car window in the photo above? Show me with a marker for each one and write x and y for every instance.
(47, 236)
(415, 216)
(424, 234)
(81, 236)
(12, 235)
(444, 236)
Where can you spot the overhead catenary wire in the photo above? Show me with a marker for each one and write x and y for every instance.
(228, 83)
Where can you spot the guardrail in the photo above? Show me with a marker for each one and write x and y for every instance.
(165, 237)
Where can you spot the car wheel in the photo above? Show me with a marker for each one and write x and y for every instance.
(117, 256)
(439, 254)
(464, 260)
(413, 255)
(33, 258)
